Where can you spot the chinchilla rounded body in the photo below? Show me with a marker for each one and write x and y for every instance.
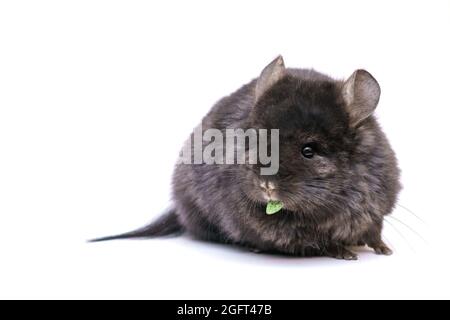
(336, 175)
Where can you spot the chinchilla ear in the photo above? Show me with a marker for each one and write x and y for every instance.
(269, 76)
(361, 93)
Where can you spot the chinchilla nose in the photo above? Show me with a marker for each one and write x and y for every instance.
(268, 189)
(267, 186)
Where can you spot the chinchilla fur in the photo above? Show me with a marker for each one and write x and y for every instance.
(334, 199)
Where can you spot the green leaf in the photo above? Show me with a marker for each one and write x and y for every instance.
(274, 207)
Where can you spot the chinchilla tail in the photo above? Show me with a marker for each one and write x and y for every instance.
(166, 225)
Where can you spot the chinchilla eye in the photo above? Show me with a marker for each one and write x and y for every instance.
(308, 151)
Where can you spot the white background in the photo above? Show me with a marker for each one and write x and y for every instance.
(96, 98)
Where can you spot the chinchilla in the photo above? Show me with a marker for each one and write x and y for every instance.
(337, 179)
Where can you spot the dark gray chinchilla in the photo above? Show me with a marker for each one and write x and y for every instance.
(338, 176)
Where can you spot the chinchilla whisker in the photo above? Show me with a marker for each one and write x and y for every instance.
(409, 228)
(401, 235)
(412, 213)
